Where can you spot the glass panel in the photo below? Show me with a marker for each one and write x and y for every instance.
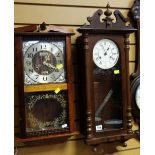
(46, 111)
(108, 107)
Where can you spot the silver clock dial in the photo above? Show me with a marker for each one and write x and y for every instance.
(137, 96)
(43, 62)
(105, 54)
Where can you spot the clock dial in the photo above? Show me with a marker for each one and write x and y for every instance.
(43, 62)
(105, 54)
(137, 96)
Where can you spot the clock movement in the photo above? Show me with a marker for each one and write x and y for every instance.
(104, 77)
(45, 77)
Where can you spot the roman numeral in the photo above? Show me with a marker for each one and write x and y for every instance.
(31, 70)
(35, 49)
(58, 55)
(53, 77)
(37, 76)
(45, 78)
(30, 55)
(28, 63)
(112, 58)
(59, 61)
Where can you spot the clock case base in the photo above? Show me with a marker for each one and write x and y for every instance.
(108, 148)
(42, 139)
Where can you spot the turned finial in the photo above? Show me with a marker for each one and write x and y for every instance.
(108, 12)
(43, 26)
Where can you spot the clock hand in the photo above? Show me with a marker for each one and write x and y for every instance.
(106, 51)
(52, 66)
(48, 65)
(111, 58)
(99, 57)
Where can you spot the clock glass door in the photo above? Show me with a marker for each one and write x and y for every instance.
(107, 86)
(45, 85)
(46, 111)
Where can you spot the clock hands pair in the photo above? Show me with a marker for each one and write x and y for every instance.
(47, 58)
(106, 53)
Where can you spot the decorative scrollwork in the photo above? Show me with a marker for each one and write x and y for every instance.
(34, 122)
(135, 11)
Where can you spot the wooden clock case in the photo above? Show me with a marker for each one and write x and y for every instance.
(119, 32)
(58, 33)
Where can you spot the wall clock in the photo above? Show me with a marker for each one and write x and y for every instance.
(104, 75)
(45, 75)
(135, 77)
(135, 97)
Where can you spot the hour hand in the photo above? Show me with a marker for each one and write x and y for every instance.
(48, 65)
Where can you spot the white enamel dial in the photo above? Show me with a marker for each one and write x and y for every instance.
(43, 62)
(137, 96)
(105, 54)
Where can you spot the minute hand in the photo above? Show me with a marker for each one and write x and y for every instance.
(106, 51)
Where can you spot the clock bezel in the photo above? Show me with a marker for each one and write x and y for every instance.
(56, 80)
(117, 58)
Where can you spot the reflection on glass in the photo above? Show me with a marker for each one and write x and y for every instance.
(108, 108)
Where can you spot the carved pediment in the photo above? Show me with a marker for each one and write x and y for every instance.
(44, 28)
(96, 24)
(135, 11)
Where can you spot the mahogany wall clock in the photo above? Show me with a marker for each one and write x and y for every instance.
(45, 75)
(104, 75)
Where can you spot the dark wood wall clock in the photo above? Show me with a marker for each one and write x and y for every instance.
(135, 77)
(45, 76)
(104, 75)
